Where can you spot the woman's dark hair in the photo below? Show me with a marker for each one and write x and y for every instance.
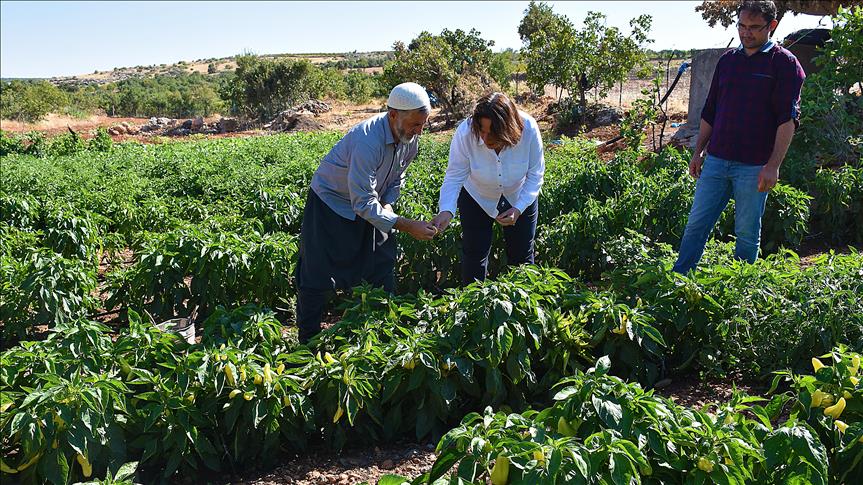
(766, 8)
(506, 124)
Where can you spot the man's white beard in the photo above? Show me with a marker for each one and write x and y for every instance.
(406, 140)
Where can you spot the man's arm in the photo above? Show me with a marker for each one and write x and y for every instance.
(704, 131)
(786, 107)
(705, 127)
(362, 179)
(770, 173)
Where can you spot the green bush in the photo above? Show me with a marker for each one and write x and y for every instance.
(837, 212)
(29, 101)
(359, 87)
(10, 144)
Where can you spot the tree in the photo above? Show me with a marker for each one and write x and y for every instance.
(545, 36)
(30, 101)
(359, 87)
(724, 12)
(593, 58)
(628, 53)
(502, 66)
(261, 88)
(455, 66)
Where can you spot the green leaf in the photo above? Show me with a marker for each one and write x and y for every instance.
(609, 411)
(622, 469)
(444, 462)
(54, 467)
(393, 480)
(603, 364)
(566, 392)
(126, 471)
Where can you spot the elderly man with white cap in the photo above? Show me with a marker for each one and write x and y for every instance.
(348, 221)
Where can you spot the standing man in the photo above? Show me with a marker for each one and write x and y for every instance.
(747, 123)
(347, 234)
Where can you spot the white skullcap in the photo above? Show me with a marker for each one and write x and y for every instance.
(408, 96)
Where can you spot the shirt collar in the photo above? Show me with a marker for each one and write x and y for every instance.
(388, 133)
(764, 48)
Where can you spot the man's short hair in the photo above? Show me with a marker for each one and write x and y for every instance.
(766, 8)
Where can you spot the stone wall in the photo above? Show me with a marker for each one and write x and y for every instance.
(701, 74)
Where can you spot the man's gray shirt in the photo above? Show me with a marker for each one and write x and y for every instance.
(365, 171)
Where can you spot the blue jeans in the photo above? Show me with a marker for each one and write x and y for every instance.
(721, 180)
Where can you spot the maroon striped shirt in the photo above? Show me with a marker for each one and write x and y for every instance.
(750, 96)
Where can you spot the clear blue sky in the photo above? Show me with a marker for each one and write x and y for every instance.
(43, 39)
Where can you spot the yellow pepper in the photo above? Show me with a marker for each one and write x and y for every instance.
(268, 374)
(229, 373)
(705, 465)
(329, 358)
(817, 364)
(86, 467)
(539, 456)
(855, 364)
(280, 369)
(565, 428)
(234, 393)
(817, 397)
(258, 379)
(248, 396)
(339, 413)
(835, 410)
(621, 329)
(500, 472)
(32, 461)
(841, 426)
(854, 380)
(59, 421)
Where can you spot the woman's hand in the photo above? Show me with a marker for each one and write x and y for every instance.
(508, 217)
(442, 220)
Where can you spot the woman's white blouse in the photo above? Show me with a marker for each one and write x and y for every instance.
(516, 173)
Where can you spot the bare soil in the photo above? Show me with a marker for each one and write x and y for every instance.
(55, 124)
(351, 466)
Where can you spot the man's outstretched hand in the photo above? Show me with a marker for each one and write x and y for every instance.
(419, 230)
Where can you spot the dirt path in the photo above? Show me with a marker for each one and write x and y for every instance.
(55, 124)
(351, 467)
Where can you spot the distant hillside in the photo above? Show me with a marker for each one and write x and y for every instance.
(367, 61)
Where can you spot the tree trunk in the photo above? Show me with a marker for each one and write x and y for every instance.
(620, 96)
